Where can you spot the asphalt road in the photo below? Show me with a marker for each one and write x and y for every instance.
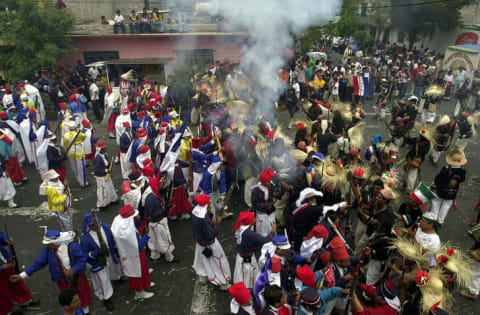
(175, 283)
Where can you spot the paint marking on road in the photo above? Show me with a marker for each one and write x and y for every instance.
(35, 213)
(201, 298)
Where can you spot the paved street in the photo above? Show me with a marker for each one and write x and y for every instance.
(175, 283)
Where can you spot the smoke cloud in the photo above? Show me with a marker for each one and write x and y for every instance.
(270, 24)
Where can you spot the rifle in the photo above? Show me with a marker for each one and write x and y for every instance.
(73, 142)
(227, 198)
(11, 249)
(103, 253)
(220, 153)
(334, 227)
(107, 177)
(190, 176)
(355, 277)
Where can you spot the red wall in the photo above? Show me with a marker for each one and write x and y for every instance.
(154, 46)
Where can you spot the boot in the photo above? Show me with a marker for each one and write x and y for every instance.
(108, 304)
(117, 160)
(142, 295)
(12, 204)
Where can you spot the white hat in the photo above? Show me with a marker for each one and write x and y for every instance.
(413, 97)
(306, 194)
(51, 174)
(58, 238)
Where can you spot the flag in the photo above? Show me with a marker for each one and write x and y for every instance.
(422, 194)
(168, 163)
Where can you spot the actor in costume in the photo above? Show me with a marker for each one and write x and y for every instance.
(262, 203)
(76, 154)
(66, 263)
(124, 142)
(102, 258)
(131, 250)
(101, 168)
(443, 137)
(210, 262)
(59, 199)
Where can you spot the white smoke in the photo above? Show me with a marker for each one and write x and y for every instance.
(270, 24)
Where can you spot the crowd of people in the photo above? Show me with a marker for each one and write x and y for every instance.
(330, 222)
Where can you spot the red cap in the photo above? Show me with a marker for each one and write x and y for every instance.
(32, 111)
(270, 134)
(131, 107)
(146, 107)
(245, 218)
(164, 124)
(148, 171)
(202, 200)
(3, 115)
(72, 98)
(307, 276)
(101, 145)
(126, 211)
(8, 91)
(300, 126)
(318, 231)
(126, 124)
(240, 293)
(75, 91)
(339, 249)
(266, 177)
(146, 162)
(109, 90)
(158, 114)
(142, 114)
(358, 172)
(144, 149)
(62, 105)
(141, 133)
(86, 123)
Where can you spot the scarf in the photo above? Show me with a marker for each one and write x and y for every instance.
(263, 188)
(200, 212)
(239, 233)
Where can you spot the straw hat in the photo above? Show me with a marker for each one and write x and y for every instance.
(457, 262)
(444, 120)
(333, 174)
(456, 157)
(409, 250)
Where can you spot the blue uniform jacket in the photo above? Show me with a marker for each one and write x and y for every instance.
(100, 168)
(54, 158)
(78, 259)
(252, 242)
(259, 204)
(133, 155)
(200, 160)
(93, 250)
(3, 242)
(124, 143)
(154, 209)
(206, 184)
(204, 231)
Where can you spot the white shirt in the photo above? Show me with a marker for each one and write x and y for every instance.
(460, 76)
(94, 92)
(93, 73)
(62, 253)
(448, 78)
(428, 241)
(118, 18)
(335, 88)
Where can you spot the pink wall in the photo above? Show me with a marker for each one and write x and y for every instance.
(154, 46)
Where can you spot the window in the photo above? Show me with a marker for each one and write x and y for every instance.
(195, 57)
(92, 56)
(373, 31)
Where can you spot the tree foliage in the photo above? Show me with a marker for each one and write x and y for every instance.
(38, 37)
(424, 20)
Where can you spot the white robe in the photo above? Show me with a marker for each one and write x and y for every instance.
(216, 267)
(34, 94)
(109, 106)
(7, 190)
(119, 129)
(17, 146)
(105, 190)
(42, 158)
(160, 242)
(133, 197)
(87, 144)
(24, 129)
(125, 236)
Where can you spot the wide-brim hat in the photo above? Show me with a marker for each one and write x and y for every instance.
(456, 157)
(444, 120)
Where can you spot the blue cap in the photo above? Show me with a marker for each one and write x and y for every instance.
(87, 222)
(281, 242)
(52, 234)
(377, 138)
(318, 156)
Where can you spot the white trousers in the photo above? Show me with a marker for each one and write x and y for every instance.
(65, 220)
(215, 268)
(264, 223)
(160, 242)
(78, 169)
(125, 165)
(436, 155)
(474, 287)
(246, 272)
(102, 287)
(412, 176)
(197, 178)
(7, 189)
(374, 271)
(105, 192)
(440, 208)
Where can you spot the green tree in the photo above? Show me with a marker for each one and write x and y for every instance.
(36, 38)
(419, 21)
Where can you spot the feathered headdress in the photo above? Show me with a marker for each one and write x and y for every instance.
(356, 135)
(457, 262)
(334, 174)
(409, 250)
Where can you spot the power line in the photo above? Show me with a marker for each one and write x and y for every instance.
(408, 4)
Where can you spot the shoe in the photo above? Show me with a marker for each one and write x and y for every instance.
(12, 204)
(203, 279)
(108, 304)
(224, 287)
(150, 270)
(117, 160)
(24, 179)
(32, 302)
(142, 295)
(226, 214)
(468, 295)
(152, 284)
(173, 261)
(17, 184)
(186, 216)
